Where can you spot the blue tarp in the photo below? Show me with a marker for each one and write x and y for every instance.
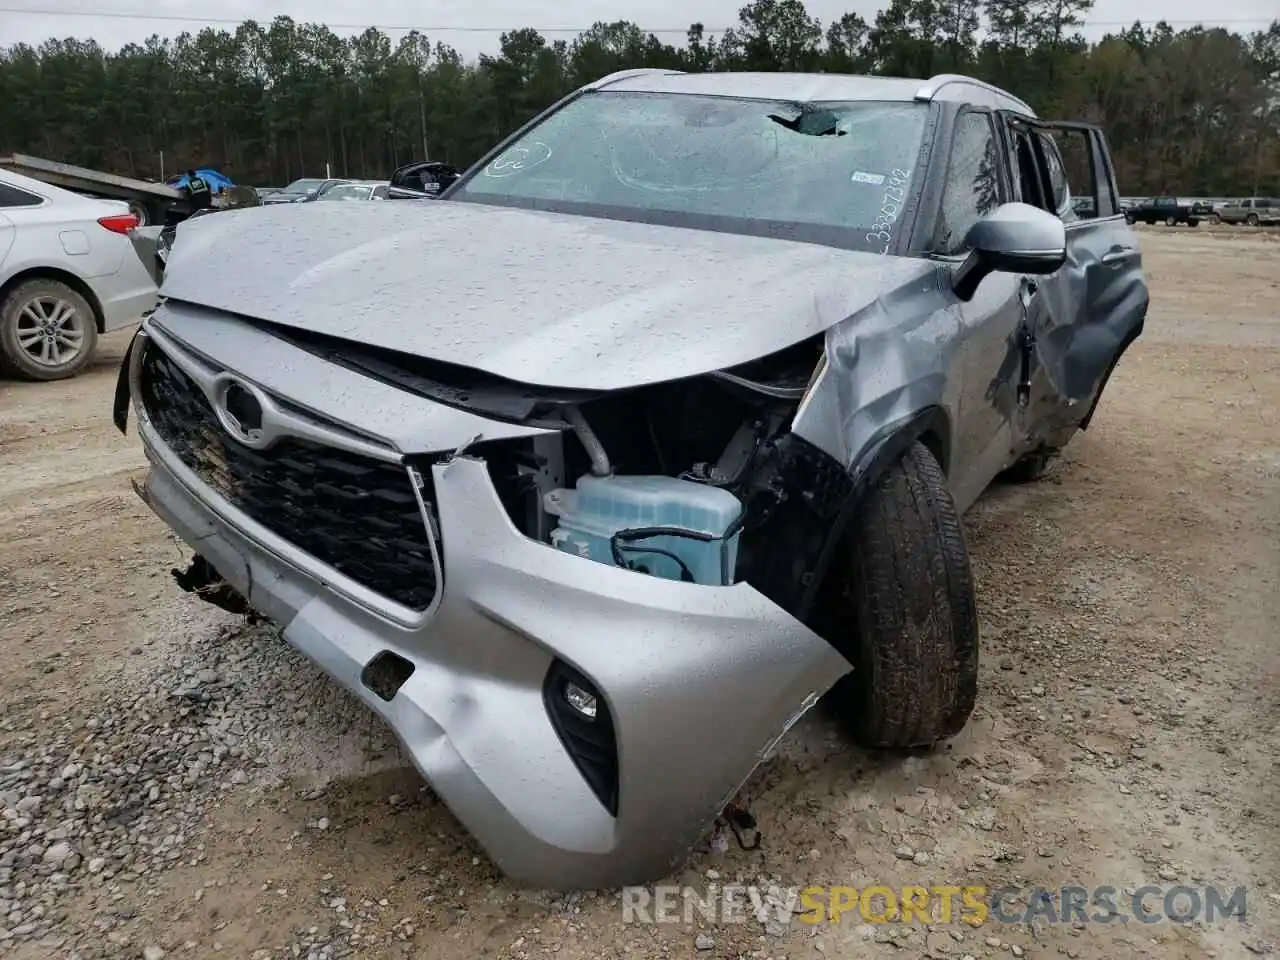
(216, 181)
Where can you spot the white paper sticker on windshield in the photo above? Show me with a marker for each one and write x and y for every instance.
(863, 177)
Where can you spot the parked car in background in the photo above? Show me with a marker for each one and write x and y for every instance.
(1252, 211)
(1166, 210)
(425, 178)
(68, 273)
(355, 190)
(1213, 207)
(299, 191)
(683, 447)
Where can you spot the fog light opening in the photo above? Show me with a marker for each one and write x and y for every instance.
(581, 701)
(386, 673)
(579, 714)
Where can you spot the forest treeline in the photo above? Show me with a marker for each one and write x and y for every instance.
(1191, 112)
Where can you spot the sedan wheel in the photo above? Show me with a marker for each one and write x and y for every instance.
(47, 331)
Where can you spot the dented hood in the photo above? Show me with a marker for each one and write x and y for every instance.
(541, 298)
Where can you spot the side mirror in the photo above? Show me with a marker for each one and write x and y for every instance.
(1013, 238)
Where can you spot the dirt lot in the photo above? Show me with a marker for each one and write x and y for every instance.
(173, 781)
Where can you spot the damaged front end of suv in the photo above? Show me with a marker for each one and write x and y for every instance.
(569, 540)
(584, 612)
(596, 474)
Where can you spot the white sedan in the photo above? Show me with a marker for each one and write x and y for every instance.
(68, 272)
(355, 190)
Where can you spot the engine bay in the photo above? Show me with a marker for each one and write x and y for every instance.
(698, 479)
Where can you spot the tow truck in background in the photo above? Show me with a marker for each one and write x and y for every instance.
(151, 202)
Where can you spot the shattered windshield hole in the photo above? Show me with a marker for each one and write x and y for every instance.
(813, 123)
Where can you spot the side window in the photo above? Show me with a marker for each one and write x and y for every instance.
(1069, 155)
(13, 197)
(1028, 185)
(972, 188)
(1059, 189)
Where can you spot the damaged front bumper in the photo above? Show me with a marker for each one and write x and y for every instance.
(585, 723)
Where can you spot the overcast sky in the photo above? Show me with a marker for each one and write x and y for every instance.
(483, 20)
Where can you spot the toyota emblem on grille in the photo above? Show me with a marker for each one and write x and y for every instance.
(241, 413)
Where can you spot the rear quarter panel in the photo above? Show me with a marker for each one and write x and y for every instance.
(67, 239)
(6, 243)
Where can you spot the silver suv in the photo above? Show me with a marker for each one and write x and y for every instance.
(668, 438)
(1253, 211)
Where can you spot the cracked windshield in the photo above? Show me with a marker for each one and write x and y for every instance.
(636, 155)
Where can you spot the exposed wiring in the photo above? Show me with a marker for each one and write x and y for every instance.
(728, 534)
(768, 389)
(622, 542)
(686, 575)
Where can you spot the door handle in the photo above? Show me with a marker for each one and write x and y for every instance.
(1117, 256)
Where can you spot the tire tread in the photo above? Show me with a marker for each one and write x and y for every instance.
(908, 595)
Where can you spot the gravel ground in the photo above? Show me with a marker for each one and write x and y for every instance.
(176, 783)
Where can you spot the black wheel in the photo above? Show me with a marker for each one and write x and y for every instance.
(1128, 218)
(1193, 222)
(1032, 467)
(899, 605)
(1251, 219)
(47, 331)
(139, 210)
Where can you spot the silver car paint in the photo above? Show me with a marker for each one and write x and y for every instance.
(670, 658)
(565, 301)
(403, 422)
(675, 658)
(812, 87)
(913, 348)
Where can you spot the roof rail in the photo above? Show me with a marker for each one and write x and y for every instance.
(628, 74)
(937, 82)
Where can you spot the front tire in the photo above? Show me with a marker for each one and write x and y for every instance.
(47, 331)
(901, 609)
(1251, 219)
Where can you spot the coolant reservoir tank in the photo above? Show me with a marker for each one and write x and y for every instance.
(603, 512)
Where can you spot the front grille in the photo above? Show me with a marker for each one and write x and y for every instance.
(356, 514)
